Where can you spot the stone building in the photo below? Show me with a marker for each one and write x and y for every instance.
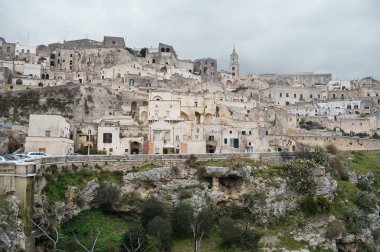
(113, 42)
(207, 68)
(49, 134)
(7, 50)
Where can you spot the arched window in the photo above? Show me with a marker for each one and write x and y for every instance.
(148, 84)
(40, 84)
(43, 76)
(131, 82)
(47, 76)
(162, 49)
(167, 50)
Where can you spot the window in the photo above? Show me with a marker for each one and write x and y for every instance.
(196, 137)
(234, 142)
(8, 49)
(157, 150)
(197, 130)
(177, 137)
(280, 94)
(126, 150)
(295, 95)
(211, 138)
(131, 82)
(156, 136)
(111, 149)
(287, 95)
(243, 132)
(311, 96)
(47, 133)
(107, 137)
(225, 140)
(195, 104)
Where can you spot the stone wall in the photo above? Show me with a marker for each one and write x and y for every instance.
(342, 143)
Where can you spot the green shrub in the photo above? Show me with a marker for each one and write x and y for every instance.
(299, 174)
(151, 208)
(323, 204)
(161, 229)
(364, 184)
(108, 197)
(366, 201)
(309, 205)
(354, 220)
(332, 149)
(237, 212)
(312, 206)
(376, 235)
(229, 232)
(320, 156)
(334, 229)
(181, 216)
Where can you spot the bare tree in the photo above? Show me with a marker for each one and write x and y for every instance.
(94, 240)
(200, 224)
(54, 240)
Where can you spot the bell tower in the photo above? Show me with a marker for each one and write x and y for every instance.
(234, 64)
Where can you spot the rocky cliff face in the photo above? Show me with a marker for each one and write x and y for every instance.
(267, 195)
(12, 237)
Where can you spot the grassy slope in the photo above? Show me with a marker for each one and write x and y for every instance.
(365, 161)
(112, 229)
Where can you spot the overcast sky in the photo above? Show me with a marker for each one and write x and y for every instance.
(270, 36)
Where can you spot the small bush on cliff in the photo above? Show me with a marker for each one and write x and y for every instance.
(320, 156)
(300, 176)
(366, 201)
(191, 161)
(354, 220)
(108, 197)
(364, 184)
(309, 205)
(334, 229)
(332, 149)
(152, 207)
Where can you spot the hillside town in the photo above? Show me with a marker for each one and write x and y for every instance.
(107, 97)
